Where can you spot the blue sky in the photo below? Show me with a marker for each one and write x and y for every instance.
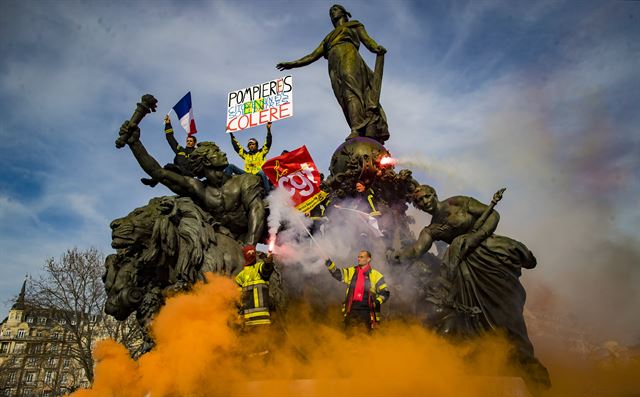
(540, 97)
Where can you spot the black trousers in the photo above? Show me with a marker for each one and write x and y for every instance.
(358, 320)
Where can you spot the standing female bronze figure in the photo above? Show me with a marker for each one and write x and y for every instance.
(351, 79)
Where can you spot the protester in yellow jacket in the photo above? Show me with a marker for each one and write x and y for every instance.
(366, 291)
(252, 156)
(254, 283)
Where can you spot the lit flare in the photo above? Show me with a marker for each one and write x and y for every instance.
(272, 243)
(388, 160)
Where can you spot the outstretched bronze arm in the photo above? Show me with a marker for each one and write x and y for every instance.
(417, 249)
(130, 135)
(147, 104)
(304, 61)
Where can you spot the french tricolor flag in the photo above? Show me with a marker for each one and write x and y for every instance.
(184, 111)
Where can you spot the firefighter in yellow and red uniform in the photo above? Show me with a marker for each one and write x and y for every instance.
(254, 282)
(366, 291)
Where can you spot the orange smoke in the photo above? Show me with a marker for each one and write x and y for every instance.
(201, 351)
(195, 340)
(577, 375)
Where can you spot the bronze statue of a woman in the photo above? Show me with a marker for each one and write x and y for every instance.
(479, 288)
(352, 81)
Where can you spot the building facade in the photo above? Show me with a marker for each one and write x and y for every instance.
(35, 354)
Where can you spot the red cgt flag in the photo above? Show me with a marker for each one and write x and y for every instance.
(297, 173)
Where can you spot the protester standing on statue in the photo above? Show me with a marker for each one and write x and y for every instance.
(366, 292)
(181, 160)
(353, 83)
(253, 157)
(254, 283)
(364, 199)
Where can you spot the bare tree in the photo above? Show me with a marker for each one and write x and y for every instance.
(71, 289)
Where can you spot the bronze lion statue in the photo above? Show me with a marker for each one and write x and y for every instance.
(163, 247)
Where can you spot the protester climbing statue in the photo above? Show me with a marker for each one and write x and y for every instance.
(479, 288)
(235, 203)
(355, 86)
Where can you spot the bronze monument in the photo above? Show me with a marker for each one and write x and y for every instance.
(355, 86)
(236, 203)
(168, 244)
(478, 289)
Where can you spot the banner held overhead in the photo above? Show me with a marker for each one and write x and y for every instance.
(260, 104)
(296, 172)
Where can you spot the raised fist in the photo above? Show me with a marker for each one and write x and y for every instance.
(129, 133)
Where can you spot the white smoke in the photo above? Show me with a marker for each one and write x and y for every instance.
(435, 169)
(304, 245)
(296, 243)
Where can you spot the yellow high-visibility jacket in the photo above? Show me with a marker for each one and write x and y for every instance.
(374, 283)
(252, 161)
(253, 281)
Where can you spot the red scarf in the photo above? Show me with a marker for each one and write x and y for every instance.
(358, 293)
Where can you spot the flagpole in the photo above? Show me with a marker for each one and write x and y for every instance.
(312, 239)
(364, 215)
(351, 209)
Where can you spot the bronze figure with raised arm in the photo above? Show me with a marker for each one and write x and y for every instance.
(479, 288)
(235, 203)
(355, 86)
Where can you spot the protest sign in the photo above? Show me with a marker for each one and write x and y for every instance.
(296, 172)
(260, 104)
